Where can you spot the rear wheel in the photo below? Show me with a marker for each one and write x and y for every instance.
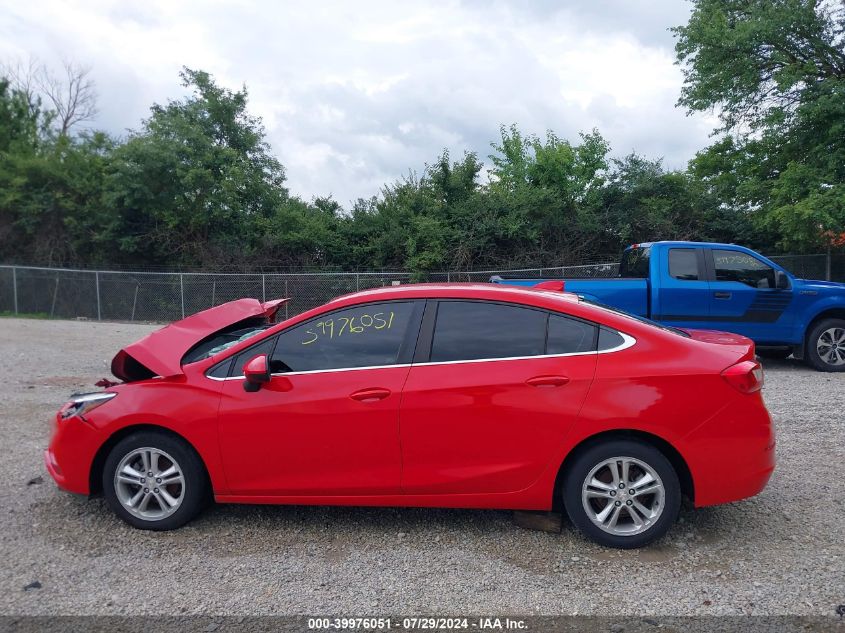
(622, 493)
(826, 345)
(154, 481)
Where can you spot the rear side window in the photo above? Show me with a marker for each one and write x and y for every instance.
(468, 330)
(683, 264)
(570, 336)
(364, 336)
(635, 262)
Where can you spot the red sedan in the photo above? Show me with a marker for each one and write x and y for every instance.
(455, 395)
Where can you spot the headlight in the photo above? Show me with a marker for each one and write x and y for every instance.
(85, 402)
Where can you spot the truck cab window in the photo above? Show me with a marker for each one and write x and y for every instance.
(634, 262)
(683, 264)
(741, 267)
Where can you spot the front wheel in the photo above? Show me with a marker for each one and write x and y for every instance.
(826, 345)
(154, 481)
(622, 493)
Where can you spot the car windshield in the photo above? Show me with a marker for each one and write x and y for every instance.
(221, 342)
(641, 319)
(224, 346)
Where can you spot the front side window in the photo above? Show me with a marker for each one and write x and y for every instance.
(264, 347)
(683, 264)
(467, 330)
(364, 336)
(741, 267)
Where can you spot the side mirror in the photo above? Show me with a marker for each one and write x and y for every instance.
(781, 280)
(256, 372)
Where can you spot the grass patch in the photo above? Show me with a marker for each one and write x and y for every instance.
(24, 315)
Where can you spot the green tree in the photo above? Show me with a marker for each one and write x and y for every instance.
(550, 189)
(51, 207)
(188, 188)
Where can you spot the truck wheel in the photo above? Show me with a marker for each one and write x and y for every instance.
(826, 345)
(622, 493)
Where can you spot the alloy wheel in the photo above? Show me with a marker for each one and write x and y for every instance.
(623, 496)
(149, 483)
(831, 346)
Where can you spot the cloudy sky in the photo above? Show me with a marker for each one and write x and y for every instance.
(356, 94)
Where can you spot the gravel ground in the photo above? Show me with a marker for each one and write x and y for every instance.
(779, 553)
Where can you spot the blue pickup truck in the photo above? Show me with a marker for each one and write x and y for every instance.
(725, 287)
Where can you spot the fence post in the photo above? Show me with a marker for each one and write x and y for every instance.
(182, 292)
(15, 287)
(263, 289)
(135, 301)
(827, 267)
(357, 282)
(55, 294)
(286, 297)
(97, 283)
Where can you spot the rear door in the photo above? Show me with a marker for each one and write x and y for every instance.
(492, 392)
(683, 291)
(744, 299)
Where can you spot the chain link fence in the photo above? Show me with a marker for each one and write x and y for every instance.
(830, 266)
(163, 297)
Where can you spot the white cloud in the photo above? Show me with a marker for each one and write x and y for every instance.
(353, 95)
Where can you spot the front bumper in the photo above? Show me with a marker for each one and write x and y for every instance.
(71, 453)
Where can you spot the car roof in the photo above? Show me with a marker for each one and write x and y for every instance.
(554, 300)
(497, 292)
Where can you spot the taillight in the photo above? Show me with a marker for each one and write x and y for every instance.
(746, 377)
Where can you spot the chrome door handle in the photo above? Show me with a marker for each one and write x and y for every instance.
(722, 295)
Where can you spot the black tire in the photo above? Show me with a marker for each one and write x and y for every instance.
(586, 461)
(193, 492)
(775, 353)
(812, 356)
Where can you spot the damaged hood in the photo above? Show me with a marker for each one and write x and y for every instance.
(160, 353)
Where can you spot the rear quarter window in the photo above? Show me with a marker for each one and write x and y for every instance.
(570, 336)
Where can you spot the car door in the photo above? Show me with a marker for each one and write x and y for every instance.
(744, 297)
(487, 401)
(327, 422)
(683, 297)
